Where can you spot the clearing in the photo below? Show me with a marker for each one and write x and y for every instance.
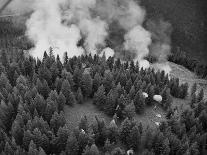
(73, 114)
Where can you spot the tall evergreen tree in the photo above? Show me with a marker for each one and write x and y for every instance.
(86, 85)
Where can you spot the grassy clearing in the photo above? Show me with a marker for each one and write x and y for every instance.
(148, 118)
(73, 114)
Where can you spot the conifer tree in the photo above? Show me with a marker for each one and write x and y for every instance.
(79, 96)
(72, 146)
(96, 82)
(128, 85)
(93, 150)
(193, 89)
(112, 133)
(86, 85)
(61, 101)
(200, 95)
(110, 104)
(66, 90)
(77, 76)
(130, 110)
(139, 102)
(100, 97)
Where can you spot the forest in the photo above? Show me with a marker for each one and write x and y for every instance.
(35, 92)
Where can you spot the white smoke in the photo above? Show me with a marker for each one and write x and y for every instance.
(64, 24)
(95, 32)
(138, 40)
(163, 66)
(108, 52)
(46, 30)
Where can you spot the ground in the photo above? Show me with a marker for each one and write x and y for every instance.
(149, 118)
(73, 114)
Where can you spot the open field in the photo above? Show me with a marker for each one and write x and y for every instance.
(148, 118)
(73, 114)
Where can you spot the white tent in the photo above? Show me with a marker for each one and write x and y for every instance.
(157, 98)
(145, 95)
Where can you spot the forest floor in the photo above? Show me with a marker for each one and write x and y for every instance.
(73, 114)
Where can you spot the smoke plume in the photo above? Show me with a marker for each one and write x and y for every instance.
(161, 39)
(84, 26)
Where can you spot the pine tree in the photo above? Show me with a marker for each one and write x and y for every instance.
(26, 139)
(200, 95)
(71, 99)
(39, 104)
(129, 110)
(139, 102)
(17, 132)
(32, 149)
(135, 138)
(122, 79)
(54, 71)
(72, 146)
(193, 89)
(77, 76)
(99, 131)
(61, 101)
(84, 125)
(96, 82)
(193, 100)
(79, 96)
(58, 84)
(166, 98)
(125, 129)
(128, 85)
(118, 151)
(86, 85)
(132, 92)
(110, 104)
(93, 150)
(66, 90)
(112, 132)
(161, 144)
(151, 93)
(100, 97)
(107, 81)
(8, 149)
(57, 121)
(62, 137)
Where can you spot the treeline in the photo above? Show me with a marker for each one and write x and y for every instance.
(180, 57)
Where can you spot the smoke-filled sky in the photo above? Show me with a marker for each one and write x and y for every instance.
(62, 24)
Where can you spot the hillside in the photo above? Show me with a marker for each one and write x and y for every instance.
(185, 75)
